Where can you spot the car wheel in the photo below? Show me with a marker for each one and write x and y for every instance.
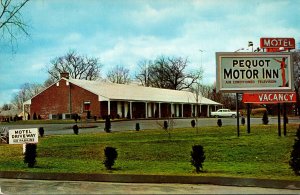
(233, 116)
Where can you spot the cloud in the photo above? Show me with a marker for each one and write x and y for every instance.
(126, 32)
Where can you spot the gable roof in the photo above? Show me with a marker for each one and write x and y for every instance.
(112, 91)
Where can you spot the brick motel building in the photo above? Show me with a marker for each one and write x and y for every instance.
(96, 98)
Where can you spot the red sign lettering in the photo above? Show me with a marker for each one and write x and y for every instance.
(286, 43)
(269, 98)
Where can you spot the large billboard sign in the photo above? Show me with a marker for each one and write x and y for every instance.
(269, 98)
(249, 72)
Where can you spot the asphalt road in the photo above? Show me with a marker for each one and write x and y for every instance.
(56, 129)
(19, 186)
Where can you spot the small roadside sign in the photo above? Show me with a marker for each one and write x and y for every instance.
(23, 136)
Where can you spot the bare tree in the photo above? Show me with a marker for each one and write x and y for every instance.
(169, 73)
(6, 107)
(26, 92)
(119, 74)
(11, 21)
(79, 67)
(143, 75)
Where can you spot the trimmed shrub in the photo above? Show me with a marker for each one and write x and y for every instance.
(243, 120)
(88, 115)
(75, 129)
(30, 155)
(166, 125)
(128, 115)
(111, 155)
(41, 131)
(107, 125)
(198, 157)
(286, 119)
(265, 118)
(295, 154)
(258, 111)
(193, 123)
(137, 126)
(219, 122)
(34, 116)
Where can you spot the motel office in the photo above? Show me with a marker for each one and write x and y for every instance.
(96, 98)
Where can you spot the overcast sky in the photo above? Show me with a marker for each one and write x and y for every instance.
(124, 32)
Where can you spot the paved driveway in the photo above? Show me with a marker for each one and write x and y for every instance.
(51, 129)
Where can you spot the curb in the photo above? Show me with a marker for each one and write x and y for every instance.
(130, 178)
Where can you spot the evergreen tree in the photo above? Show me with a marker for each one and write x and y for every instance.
(219, 122)
(111, 155)
(265, 118)
(41, 131)
(75, 129)
(107, 125)
(30, 155)
(198, 157)
(137, 126)
(295, 154)
(193, 123)
(243, 121)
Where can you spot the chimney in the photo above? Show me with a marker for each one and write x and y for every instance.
(64, 75)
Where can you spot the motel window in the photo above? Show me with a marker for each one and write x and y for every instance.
(86, 105)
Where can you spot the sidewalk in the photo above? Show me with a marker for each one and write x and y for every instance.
(19, 186)
(129, 178)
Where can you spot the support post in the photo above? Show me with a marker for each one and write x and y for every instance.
(108, 107)
(159, 110)
(279, 122)
(130, 109)
(284, 119)
(237, 115)
(248, 118)
(146, 110)
(208, 113)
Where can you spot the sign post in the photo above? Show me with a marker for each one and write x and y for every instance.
(237, 115)
(248, 118)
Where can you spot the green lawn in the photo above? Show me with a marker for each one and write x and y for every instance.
(261, 154)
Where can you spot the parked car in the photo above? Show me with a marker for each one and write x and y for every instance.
(224, 113)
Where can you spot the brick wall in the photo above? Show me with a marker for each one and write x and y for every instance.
(56, 100)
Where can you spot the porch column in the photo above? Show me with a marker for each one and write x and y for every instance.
(159, 110)
(130, 109)
(108, 107)
(150, 110)
(207, 110)
(192, 109)
(196, 110)
(200, 109)
(181, 110)
(146, 110)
